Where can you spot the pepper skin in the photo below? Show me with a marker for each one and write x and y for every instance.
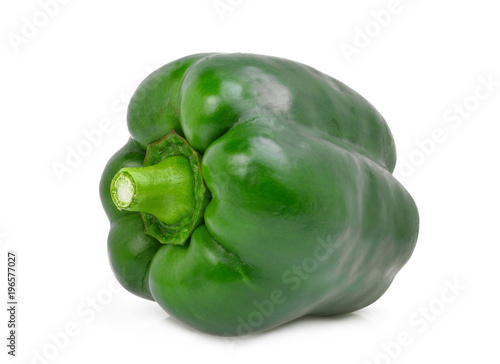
(255, 190)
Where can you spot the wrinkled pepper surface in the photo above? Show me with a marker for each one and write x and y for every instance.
(255, 190)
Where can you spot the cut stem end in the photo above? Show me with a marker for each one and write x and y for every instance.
(124, 190)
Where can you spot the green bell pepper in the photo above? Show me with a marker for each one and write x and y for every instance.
(255, 190)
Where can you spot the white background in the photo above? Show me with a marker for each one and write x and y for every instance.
(78, 64)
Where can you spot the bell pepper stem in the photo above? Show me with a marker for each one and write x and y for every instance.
(165, 190)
